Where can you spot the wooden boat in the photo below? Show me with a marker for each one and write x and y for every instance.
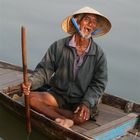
(116, 117)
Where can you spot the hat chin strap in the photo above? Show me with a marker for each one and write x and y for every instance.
(81, 34)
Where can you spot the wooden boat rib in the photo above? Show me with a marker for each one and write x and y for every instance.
(112, 121)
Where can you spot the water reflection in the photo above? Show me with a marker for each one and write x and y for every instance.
(1, 138)
(13, 128)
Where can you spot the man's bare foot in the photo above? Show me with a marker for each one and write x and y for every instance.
(67, 123)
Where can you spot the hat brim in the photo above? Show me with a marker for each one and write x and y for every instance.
(104, 25)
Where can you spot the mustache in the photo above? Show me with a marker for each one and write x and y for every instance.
(85, 36)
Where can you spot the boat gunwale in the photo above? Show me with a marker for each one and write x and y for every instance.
(11, 66)
(115, 101)
(119, 103)
(19, 110)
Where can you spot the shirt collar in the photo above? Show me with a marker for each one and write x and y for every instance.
(92, 50)
(72, 43)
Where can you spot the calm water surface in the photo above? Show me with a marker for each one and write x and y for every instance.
(42, 20)
(12, 128)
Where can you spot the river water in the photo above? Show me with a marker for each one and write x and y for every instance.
(42, 18)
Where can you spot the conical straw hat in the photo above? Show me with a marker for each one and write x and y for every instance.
(104, 25)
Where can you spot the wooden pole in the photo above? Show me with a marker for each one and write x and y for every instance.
(25, 78)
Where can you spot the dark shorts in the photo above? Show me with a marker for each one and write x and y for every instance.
(62, 102)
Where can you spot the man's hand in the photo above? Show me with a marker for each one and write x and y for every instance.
(26, 88)
(82, 112)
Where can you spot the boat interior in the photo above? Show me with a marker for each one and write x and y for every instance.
(110, 114)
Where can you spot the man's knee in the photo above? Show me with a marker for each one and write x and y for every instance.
(49, 99)
(44, 97)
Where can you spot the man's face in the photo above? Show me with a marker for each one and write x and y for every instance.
(88, 24)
